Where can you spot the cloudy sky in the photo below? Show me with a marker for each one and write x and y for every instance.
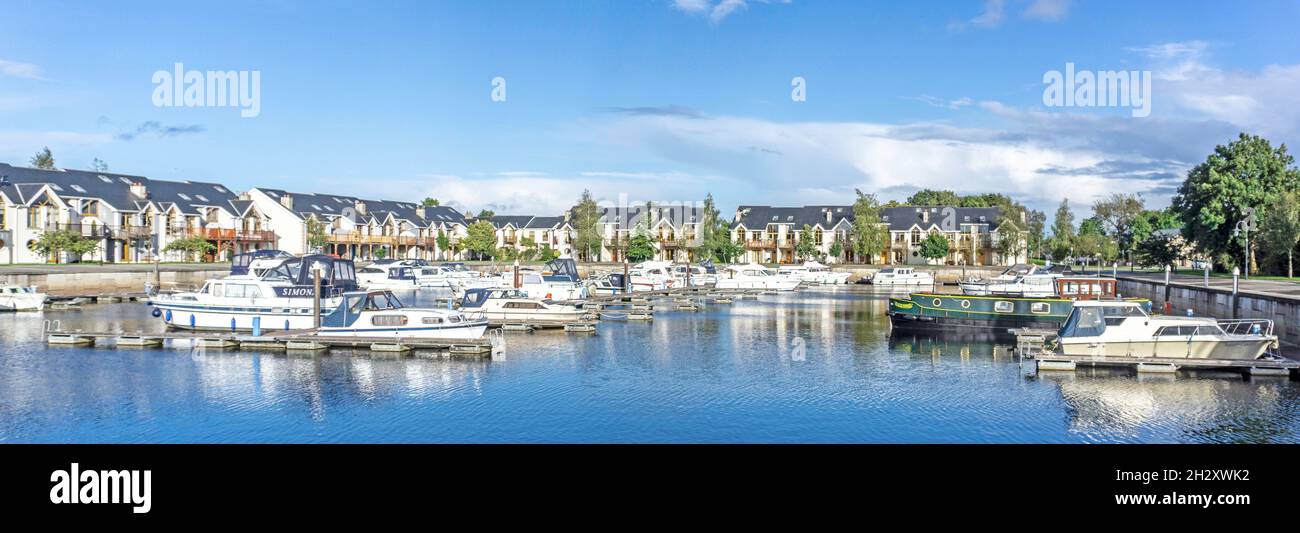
(651, 99)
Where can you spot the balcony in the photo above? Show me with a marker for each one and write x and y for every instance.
(96, 231)
(220, 234)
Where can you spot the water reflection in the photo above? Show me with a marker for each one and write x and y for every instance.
(817, 366)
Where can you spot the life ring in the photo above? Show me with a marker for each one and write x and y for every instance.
(965, 304)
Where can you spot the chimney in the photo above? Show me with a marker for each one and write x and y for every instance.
(138, 190)
(361, 207)
(287, 201)
(420, 211)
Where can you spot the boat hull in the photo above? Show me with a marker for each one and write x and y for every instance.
(468, 330)
(996, 315)
(22, 302)
(1237, 349)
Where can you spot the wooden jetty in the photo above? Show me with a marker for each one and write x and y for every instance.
(294, 340)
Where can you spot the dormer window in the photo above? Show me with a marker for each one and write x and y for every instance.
(105, 179)
(201, 197)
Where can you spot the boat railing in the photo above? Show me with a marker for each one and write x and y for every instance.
(1247, 326)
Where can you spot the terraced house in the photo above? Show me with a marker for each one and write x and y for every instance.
(771, 234)
(673, 230)
(527, 232)
(355, 228)
(976, 235)
(129, 218)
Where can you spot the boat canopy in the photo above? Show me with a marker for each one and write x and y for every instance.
(354, 303)
(563, 269)
(240, 262)
(336, 273)
(708, 266)
(475, 298)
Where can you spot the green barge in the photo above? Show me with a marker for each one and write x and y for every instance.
(997, 315)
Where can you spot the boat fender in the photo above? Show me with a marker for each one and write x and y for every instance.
(232, 323)
(191, 321)
(156, 312)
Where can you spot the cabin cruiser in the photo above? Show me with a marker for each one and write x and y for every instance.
(1124, 329)
(608, 283)
(381, 314)
(16, 298)
(1021, 280)
(813, 273)
(390, 275)
(539, 285)
(276, 293)
(754, 276)
(653, 276)
(900, 276)
(513, 304)
(692, 276)
(460, 271)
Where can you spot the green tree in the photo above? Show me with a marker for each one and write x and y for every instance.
(316, 237)
(430, 202)
(444, 242)
(807, 246)
(1062, 241)
(53, 244)
(713, 230)
(1160, 249)
(1247, 173)
(43, 159)
(934, 246)
(546, 253)
(481, 239)
(529, 249)
(587, 237)
(1036, 222)
(486, 214)
(98, 165)
(1281, 227)
(1120, 212)
(933, 197)
(506, 253)
(190, 247)
(869, 236)
(837, 249)
(381, 253)
(640, 248)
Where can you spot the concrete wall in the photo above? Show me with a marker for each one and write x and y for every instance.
(1218, 303)
(105, 283)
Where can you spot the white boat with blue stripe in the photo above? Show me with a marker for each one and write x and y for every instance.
(381, 314)
(272, 294)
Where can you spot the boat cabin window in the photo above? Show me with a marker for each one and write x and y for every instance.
(1040, 308)
(388, 320)
(1116, 315)
(218, 289)
(371, 270)
(1003, 306)
(523, 305)
(432, 320)
(886, 271)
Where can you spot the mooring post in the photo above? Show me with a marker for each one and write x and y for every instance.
(315, 296)
(1235, 273)
(516, 275)
(1167, 305)
(627, 282)
(1206, 281)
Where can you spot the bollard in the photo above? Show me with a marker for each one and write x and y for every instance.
(1235, 273)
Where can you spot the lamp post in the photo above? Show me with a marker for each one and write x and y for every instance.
(1244, 226)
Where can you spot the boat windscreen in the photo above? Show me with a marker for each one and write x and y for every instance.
(474, 298)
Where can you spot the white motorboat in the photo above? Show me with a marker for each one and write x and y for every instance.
(380, 314)
(607, 283)
(275, 294)
(550, 287)
(513, 304)
(901, 276)
(431, 276)
(1021, 280)
(693, 276)
(460, 271)
(814, 273)
(653, 276)
(754, 276)
(16, 298)
(1117, 328)
(388, 276)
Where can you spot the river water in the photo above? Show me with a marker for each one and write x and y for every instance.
(816, 365)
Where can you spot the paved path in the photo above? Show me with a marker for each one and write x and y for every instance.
(109, 268)
(1283, 289)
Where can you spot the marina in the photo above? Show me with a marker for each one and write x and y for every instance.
(819, 364)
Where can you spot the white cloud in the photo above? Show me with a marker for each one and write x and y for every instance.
(992, 15)
(719, 10)
(940, 102)
(20, 70)
(1051, 10)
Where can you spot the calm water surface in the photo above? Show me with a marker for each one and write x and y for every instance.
(729, 374)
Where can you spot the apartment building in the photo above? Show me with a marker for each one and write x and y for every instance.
(770, 234)
(360, 229)
(976, 235)
(131, 218)
(673, 230)
(524, 232)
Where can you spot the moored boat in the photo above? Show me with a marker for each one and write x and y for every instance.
(754, 276)
(1126, 329)
(940, 313)
(17, 298)
(381, 314)
(512, 304)
(901, 276)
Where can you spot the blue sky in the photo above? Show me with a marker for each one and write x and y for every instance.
(652, 99)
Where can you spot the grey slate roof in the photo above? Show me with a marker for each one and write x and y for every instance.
(759, 216)
(333, 205)
(904, 217)
(115, 189)
(630, 217)
(545, 223)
